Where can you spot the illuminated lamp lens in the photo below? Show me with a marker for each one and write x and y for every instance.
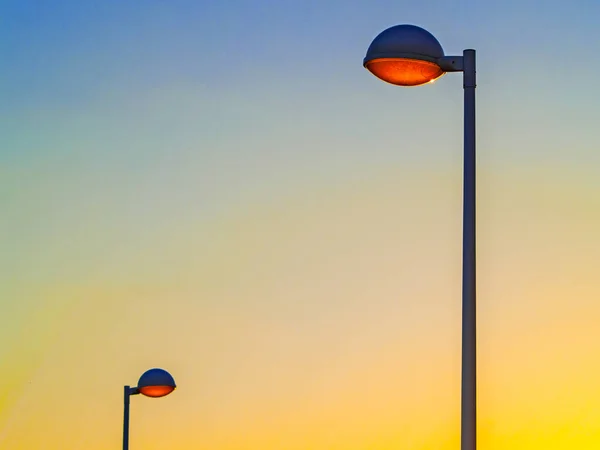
(156, 391)
(403, 71)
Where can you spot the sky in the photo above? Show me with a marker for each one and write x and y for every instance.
(221, 189)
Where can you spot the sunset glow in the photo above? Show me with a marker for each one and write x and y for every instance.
(220, 189)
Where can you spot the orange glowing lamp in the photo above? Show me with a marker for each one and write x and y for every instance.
(153, 383)
(407, 55)
(156, 383)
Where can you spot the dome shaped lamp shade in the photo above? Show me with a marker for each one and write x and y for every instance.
(405, 55)
(156, 383)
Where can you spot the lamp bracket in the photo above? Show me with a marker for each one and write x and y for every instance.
(451, 63)
(133, 391)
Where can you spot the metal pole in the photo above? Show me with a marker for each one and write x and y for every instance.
(126, 419)
(469, 349)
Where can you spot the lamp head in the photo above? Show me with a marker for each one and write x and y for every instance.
(156, 383)
(405, 55)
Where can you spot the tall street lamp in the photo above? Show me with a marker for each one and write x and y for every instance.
(153, 383)
(406, 55)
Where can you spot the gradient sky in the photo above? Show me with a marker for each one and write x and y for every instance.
(220, 189)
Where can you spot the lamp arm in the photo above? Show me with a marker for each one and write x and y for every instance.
(133, 391)
(451, 63)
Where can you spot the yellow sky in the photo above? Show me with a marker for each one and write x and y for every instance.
(328, 319)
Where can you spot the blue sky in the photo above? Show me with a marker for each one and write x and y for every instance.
(112, 56)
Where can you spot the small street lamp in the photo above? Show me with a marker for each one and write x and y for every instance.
(153, 383)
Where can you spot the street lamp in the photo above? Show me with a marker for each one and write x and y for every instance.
(153, 383)
(406, 55)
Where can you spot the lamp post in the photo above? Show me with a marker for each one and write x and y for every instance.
(406, 55)
(153, 383)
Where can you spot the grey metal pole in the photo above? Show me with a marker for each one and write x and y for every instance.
(126, 419)
(469, 326)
